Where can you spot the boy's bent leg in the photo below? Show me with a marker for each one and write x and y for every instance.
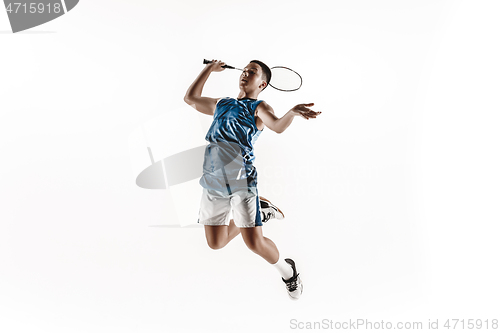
(219, 235)
(259, 244)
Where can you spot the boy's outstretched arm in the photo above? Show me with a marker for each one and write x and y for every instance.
(266, 113)
(193, 96)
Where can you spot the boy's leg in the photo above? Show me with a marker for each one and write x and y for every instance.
(219, 235)
(266, 248)
(259, 244)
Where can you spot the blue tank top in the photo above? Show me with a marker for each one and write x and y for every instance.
(228, 164)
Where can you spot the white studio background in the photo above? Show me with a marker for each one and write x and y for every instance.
(391, 194)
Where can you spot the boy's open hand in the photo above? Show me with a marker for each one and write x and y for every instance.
(304, 111)
(216, 65)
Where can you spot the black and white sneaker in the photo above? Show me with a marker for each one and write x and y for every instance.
(269, 211)
(294, 285)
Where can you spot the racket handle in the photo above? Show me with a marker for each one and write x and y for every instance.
(205, 61)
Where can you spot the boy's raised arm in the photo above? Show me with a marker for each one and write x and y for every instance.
(266, 113)
(193, 96)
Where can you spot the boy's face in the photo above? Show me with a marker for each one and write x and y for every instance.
(251, 78)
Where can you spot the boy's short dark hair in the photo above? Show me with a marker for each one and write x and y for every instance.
(266, 71)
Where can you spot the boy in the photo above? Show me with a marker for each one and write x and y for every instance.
(229, 178)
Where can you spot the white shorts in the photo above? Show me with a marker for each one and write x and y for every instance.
(216, 206)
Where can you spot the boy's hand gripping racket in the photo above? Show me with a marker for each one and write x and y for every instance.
(282, 78)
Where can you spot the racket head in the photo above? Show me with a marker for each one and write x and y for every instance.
(285, 79)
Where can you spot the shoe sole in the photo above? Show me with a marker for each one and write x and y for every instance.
(270, 203)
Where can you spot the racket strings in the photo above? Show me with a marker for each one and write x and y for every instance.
(285, 79)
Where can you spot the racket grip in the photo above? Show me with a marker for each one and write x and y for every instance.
(205, 61)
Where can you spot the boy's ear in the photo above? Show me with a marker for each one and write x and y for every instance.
(263, 85)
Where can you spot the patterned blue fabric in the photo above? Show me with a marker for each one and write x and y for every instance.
(228, 164)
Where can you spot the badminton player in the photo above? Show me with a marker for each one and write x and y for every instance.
(229, 178)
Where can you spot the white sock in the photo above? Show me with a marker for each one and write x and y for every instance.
(285, 269)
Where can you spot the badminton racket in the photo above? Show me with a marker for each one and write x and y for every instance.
(282, 78)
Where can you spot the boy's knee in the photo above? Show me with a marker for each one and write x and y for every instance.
(215, 244)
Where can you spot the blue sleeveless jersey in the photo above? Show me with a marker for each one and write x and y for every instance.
(228, 164)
